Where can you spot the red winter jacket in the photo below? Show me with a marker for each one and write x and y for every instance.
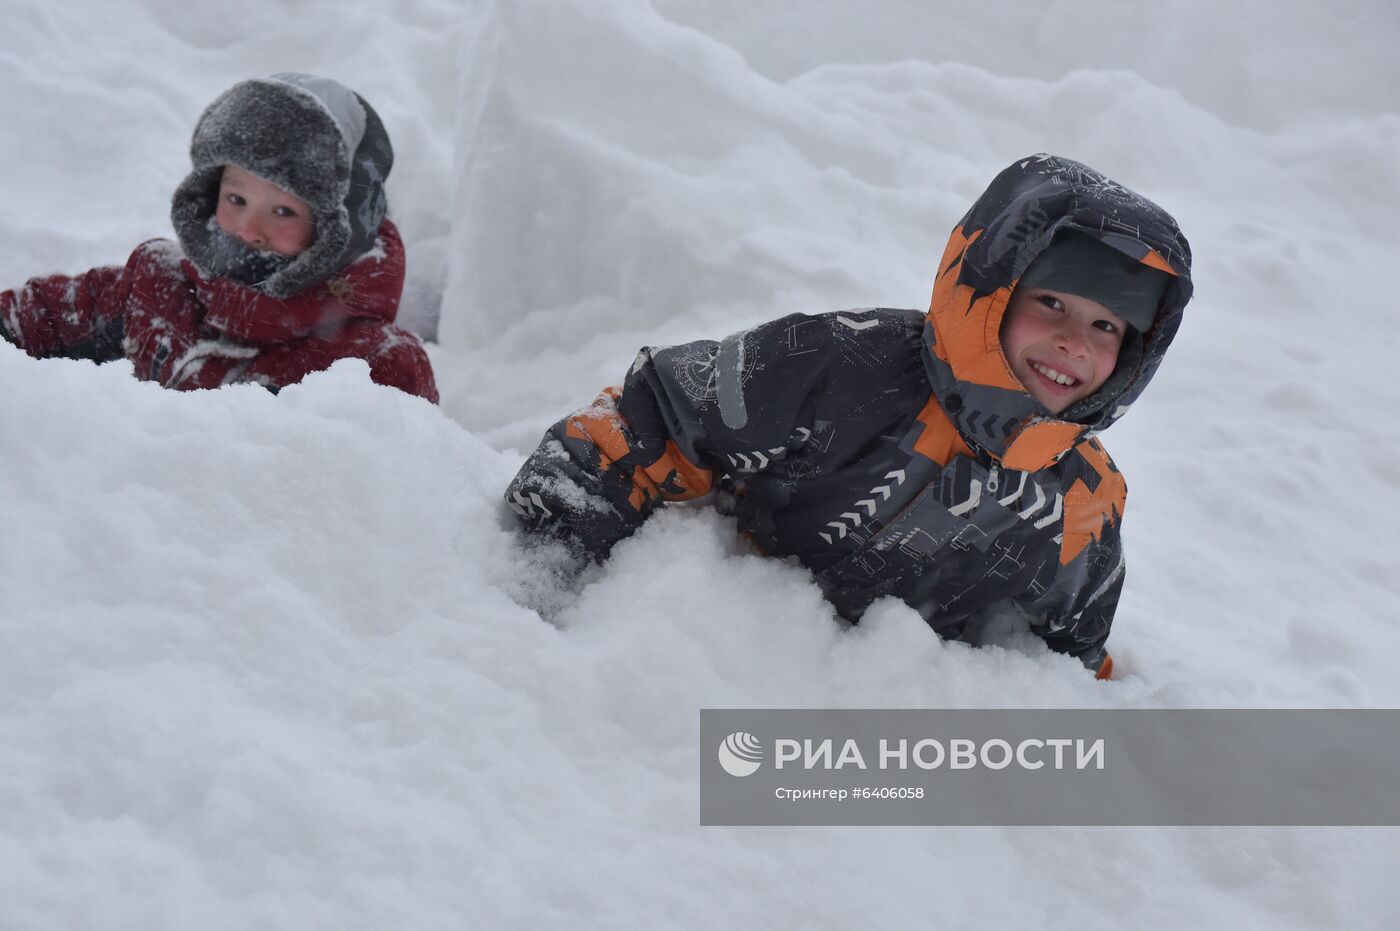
(185, 332)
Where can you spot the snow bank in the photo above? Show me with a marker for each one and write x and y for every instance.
(281, 661)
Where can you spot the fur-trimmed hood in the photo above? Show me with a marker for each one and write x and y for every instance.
(310, 136)
(992, 246)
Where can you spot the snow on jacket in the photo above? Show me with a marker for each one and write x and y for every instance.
(186, 331)
(892, 452)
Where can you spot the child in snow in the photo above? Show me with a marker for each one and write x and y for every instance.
(286, 261)
(949, 458)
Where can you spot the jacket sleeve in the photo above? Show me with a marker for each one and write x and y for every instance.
(665, 434)
(1082, 629)
(1073, 609)
(77, 317)
(401, 362)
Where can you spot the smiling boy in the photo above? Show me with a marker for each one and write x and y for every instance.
(1070, 313)
(948, 459)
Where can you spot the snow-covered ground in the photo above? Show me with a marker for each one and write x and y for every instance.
(278, 661)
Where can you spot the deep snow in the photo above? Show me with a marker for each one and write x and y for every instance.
(279, 661)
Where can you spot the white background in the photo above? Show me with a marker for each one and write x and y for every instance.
(279, 662)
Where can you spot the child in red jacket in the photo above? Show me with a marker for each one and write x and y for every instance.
(285, 263)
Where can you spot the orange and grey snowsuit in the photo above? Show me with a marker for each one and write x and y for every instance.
(893, 452)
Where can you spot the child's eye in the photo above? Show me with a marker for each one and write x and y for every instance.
(284, 212)
(1108, 326)
(236, 199)
(1054, 303)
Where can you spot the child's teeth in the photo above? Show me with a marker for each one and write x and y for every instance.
(1054, 375)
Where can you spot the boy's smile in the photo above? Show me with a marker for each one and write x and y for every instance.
(1062, 347)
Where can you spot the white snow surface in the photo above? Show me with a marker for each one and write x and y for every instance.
(280, 661)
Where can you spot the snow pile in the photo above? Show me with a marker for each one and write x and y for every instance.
(280, 661)
(265, 649)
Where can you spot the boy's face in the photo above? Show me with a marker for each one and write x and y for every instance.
(262, 215)
(1061, 346)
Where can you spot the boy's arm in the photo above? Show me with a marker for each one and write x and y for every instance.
(78, 317)
(1082, 631)
(1074, 607)
(665, 433)
(400, 361)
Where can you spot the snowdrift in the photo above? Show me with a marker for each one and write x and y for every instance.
(281, 661)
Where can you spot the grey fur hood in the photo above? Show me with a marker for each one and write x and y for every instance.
(312, 137)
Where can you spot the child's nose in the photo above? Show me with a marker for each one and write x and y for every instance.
(251, 233)
(1073, 338)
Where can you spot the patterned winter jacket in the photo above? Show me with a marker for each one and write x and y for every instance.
(186, 332)
(892, 452)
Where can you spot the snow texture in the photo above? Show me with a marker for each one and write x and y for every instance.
(281, 662)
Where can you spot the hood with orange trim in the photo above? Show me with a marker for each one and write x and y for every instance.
(1008, 226)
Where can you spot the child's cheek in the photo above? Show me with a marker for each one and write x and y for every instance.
(221, 217)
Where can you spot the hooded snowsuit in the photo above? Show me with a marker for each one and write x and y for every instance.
(211, 311)
(893, 452)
